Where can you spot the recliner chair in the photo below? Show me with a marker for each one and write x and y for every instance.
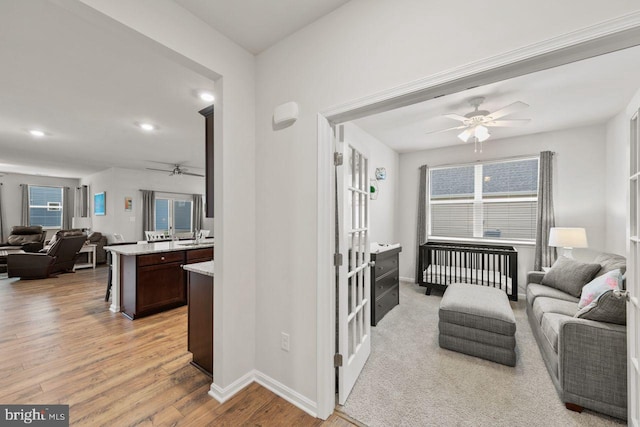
(28, 238)
(59, 258)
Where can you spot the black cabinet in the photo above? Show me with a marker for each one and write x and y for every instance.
(385, 280)
(208, 115)
(200, 321)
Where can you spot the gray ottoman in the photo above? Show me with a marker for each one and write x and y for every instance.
(478, 320)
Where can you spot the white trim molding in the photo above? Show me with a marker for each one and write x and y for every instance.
(223, 394)
(407, 279)
(288, 394)
(604, 37)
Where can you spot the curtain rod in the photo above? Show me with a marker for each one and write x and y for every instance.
(172, 192)
(521, 157)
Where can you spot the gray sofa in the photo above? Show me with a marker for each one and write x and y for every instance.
(586, 359)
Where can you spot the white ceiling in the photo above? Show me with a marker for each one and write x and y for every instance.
(257, 24)
(578, 94)
(86, 87)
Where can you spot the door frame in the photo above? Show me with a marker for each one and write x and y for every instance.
(604, 37)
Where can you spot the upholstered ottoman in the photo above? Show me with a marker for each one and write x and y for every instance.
(478, 320)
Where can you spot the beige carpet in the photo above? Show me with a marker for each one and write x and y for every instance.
(410, 381)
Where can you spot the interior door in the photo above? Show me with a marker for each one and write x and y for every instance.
(633, 278)
(354, 292)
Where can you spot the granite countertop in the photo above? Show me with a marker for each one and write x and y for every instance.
(155, 247)
(205, 268)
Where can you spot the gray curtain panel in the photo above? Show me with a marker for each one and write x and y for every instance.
(423, 212)
(148, 202)
(545, 255)
(67, 209)
(81, 201)
(24, 220)
(1, 216)
(198, 211)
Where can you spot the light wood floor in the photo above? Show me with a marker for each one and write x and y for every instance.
(59, 343)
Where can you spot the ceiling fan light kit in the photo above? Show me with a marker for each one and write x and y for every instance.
(476, 124)
(178, 170)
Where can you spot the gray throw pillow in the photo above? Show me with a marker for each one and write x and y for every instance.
(569, 275)
(611, 262)
(610, 307)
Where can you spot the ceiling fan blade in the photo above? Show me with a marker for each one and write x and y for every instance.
(159, 170)
(508, 123)
(191, 174)
(446, 130)
(509, 109)
(456, 117)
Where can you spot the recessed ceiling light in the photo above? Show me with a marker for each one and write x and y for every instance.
(36, 132)
(147, 126)
(206, 96)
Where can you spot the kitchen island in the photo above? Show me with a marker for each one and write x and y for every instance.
(200, 317)
(148, 278)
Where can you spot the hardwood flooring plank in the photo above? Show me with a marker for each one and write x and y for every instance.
(60, 344)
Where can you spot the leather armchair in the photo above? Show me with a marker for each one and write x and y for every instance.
(28, 238)
(60, 257)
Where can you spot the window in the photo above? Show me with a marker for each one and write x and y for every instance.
(45, 206)
(494, 201)
(173, 215)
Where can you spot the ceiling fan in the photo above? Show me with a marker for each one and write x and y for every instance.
(177, 170)
(476, 124)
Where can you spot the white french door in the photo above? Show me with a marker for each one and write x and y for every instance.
(633, 278)
(354, 292)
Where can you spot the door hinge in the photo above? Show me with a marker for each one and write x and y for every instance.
(337, 159)
(337, 360)
(337, 260)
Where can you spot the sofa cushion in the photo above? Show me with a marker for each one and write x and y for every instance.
(609, 262)
(26, 229)
(21, 239)
(535, 290)
(544, 305)
(550, 327)
(570, 275)
(599, 285)
(610, 307)
(94, 237)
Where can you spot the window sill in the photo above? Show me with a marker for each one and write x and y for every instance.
(481, 241)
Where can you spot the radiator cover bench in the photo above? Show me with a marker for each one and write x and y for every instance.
(478, 321)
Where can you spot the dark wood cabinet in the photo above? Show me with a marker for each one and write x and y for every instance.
(385, 283)
(200, 335)
(208, 115)
(156, 282)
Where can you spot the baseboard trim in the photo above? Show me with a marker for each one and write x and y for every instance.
(223, 394)
(291, 396)
(407, 279)
(287, 393)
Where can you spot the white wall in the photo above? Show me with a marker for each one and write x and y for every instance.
(616, 183)
(360, 49)
(578, 187)
(382, 211)
(120, 183)
(12, 195)
(172, 31)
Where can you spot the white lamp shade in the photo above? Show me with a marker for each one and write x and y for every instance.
(465, 135)
(482, 133)
(81, 222)
(568, 237)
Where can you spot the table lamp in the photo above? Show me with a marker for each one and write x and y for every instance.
(82, 222)
(568, 238)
